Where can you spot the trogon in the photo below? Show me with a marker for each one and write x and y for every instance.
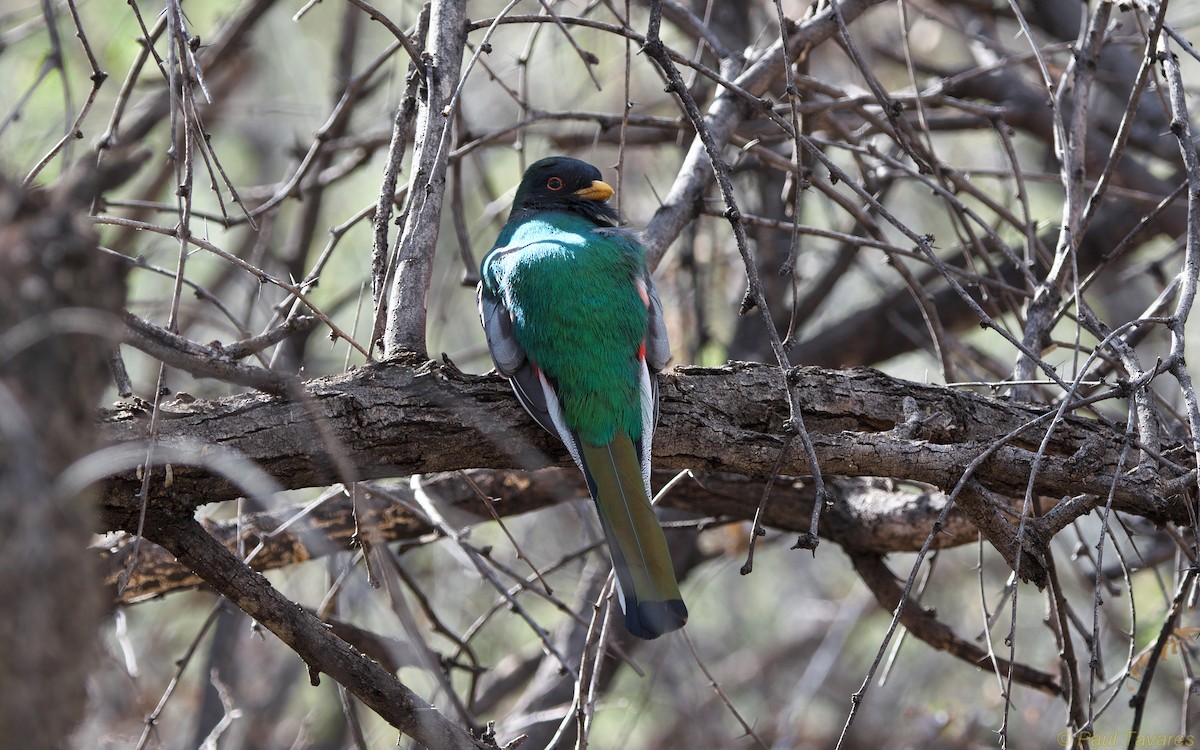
(573, 321)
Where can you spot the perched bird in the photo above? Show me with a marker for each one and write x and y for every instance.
(573, 321)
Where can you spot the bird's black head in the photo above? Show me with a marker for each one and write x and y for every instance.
(565, 184)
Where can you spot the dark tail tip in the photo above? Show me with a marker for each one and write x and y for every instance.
(651, 619)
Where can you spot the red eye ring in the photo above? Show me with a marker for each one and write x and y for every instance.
(554, 183)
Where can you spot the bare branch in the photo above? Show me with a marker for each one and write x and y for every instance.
(321, 650)
(713, 420)
(412, 264)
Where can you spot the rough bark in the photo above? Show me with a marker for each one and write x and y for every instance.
(866, 516)
(413, 265)
(404, 417)
(54, 293)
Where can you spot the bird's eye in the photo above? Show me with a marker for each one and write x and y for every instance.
(554, 183)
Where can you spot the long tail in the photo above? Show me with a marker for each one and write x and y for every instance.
(646, 581)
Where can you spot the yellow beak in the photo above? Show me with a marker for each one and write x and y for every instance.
(597, 191)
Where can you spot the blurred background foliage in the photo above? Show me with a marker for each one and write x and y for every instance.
(788, 644)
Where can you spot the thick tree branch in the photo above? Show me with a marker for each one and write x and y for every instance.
(864, 516)
(57, 299)
(401, 418)
(413, 262)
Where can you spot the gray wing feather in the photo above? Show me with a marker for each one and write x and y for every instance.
(658, 349)
(507, 354)
(510, 359)
(528, 387)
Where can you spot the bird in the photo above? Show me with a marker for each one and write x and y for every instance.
(574, 322)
